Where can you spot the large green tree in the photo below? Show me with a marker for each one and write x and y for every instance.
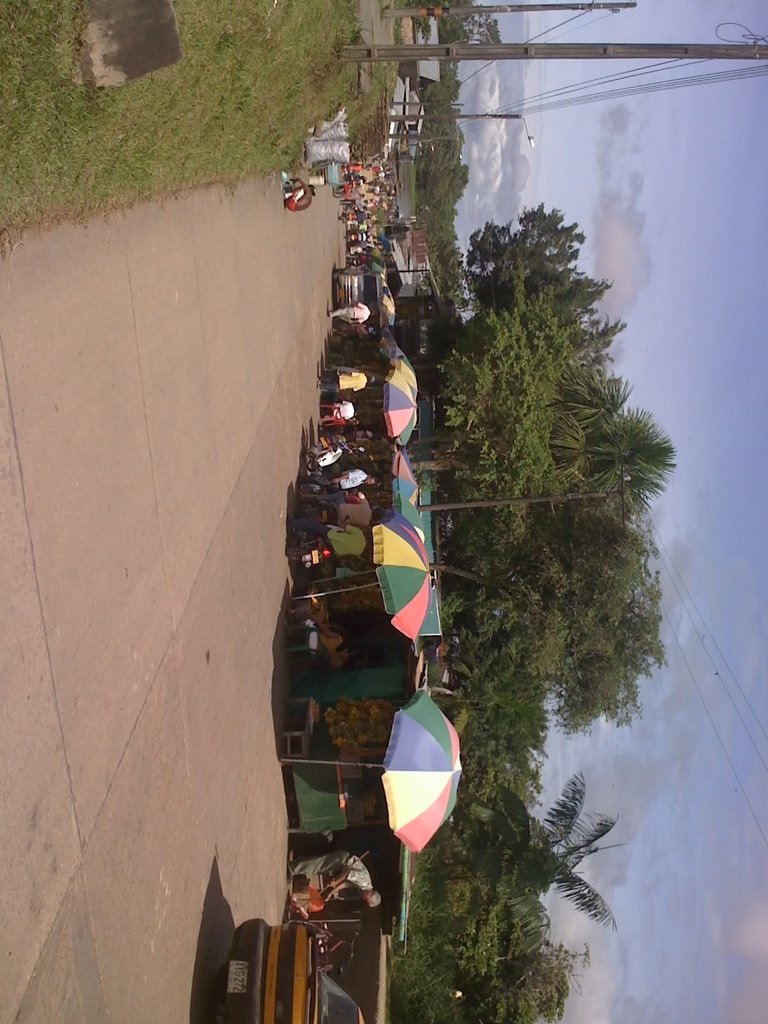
(570, 600)
(564, 595)
(544, 251)
(499, 385)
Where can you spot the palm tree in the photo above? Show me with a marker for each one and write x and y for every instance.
(597, 439)
(546, 854)
(566, 837)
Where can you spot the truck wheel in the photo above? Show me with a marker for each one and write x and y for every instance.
(219, 996)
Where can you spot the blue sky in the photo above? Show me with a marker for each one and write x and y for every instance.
(670, 190)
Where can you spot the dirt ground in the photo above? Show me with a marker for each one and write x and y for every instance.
(157, 370)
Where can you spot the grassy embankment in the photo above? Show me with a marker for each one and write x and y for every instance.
(253, 78)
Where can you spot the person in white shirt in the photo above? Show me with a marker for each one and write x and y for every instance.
(334, 491)
(357, 313)
(353, 479)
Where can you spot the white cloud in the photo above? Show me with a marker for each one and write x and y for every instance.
(750, 936)
(498, 167)
(621, 250)
(596, 987)
(748, 944)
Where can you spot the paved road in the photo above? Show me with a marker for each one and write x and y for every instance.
(157, 369)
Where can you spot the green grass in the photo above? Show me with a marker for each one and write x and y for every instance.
(423, 975)
(255, 75)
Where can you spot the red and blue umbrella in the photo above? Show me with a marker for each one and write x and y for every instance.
(422, 771)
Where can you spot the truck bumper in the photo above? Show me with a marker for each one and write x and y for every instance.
(246, 970)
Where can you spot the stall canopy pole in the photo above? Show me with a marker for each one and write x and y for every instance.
(340, 764)
(330, 593)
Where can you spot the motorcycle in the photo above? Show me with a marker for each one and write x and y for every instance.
(297, 195)
(309, 554)
(314, 502)
(327, 451)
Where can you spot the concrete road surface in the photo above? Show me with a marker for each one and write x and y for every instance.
(157, 369)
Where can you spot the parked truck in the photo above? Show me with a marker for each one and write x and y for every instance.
(274, 975)
(357, 284)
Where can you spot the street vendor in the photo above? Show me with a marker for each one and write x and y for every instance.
(344, 378)
(335, 487)
(336, 414)
(345, 541)
(338, 875)
(352, 479)
(359, 513)
(357, 313)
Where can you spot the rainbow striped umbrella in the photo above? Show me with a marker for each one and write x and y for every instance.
(411, 513)
(403, 572)
(399, 406)
(422, 770)
(405, 491)
(389, 346)
(404, 484)
(404, 366)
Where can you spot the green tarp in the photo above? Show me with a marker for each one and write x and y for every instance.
(317, 796)
(327, 687)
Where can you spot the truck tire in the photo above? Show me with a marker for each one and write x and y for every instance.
(219, 996)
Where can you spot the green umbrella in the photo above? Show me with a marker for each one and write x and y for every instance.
(408, 511)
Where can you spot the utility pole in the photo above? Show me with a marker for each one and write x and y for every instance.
(538, 499)
(455, 115)
(423, 141)
(444, 10)
(361, 53)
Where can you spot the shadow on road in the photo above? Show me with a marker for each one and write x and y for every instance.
(296, 585)
(213, 941)
(280, 670)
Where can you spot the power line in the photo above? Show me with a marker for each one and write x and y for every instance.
(470, 77)
(560, 24)
(708, 631)
(595, 21)
(716, 730)
(685, 82)
(576, 87)
(554, 28)
(617, 76)
(544, 33)
(720, 679)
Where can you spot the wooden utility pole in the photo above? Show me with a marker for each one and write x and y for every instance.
(455, 115)
(538, 499)
(445, 10)
(361, 53)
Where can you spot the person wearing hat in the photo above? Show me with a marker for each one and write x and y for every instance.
(336, 414)
(357, 313)
(343, 378)
(338, 876)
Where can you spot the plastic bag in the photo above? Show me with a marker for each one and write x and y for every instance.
(320, 151)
